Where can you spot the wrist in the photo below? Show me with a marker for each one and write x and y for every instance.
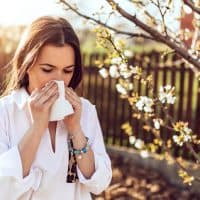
(74, 132)
(37, 129)
(82, 150)
(78, 139)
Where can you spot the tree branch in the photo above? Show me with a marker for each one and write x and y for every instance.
(104, 24)
(162, 16)
(192, 6)
(155, 34)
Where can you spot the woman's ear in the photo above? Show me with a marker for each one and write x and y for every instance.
(28, 71)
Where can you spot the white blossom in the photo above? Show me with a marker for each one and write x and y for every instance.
(126, 71)
(103, 72)
(139, 144)
(128, 53)
(187, 9)
(191, 51)
(157, 123)
(167, 87)
(133, 69)
(187, 130)
(113, 71)
(144, 154)
(139, 105)
(132, 139)
(121, 89)
(123, 67)
(185, 136)
(144, 104)
(116, 60)
(177, 140)
(166, 94)
(130, 86)
(125, 74)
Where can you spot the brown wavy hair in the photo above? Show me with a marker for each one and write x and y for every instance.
(44, 30)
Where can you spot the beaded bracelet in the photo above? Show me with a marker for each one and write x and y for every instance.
(79, 152)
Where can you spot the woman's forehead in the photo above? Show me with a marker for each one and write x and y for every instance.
(57, 55)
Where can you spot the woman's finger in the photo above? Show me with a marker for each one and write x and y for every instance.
(51, 92)
(44, 92)
(51, 100)
(71, 91)
(72, 94)
(74, 102)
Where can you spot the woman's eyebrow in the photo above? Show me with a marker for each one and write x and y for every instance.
(53, 66)
(69, 66)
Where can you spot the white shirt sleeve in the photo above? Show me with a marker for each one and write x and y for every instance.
(12, 183)
(101, 178)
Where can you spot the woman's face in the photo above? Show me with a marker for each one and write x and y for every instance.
(53, 63)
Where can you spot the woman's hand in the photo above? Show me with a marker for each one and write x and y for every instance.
(72, 122)
(40, 102)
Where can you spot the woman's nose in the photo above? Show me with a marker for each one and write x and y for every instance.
(59, 76)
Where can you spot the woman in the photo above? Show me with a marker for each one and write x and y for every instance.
(40, 159)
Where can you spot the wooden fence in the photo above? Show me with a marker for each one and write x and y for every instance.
(113, 111)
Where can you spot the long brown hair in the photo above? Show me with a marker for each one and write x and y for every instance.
(44, 30)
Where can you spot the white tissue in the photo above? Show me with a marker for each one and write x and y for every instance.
(61, 107)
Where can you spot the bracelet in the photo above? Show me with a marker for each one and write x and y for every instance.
(79, 152)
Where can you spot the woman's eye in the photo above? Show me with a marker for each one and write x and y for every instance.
(67, 71)
(46, 70)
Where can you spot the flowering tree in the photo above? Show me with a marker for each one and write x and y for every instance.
(155, 28)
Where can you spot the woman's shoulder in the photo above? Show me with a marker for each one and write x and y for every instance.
(5, 104)
(86, 103)
(6, 100)
(88, 108)
(15, 97)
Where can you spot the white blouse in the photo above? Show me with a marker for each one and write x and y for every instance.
(47, 177)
